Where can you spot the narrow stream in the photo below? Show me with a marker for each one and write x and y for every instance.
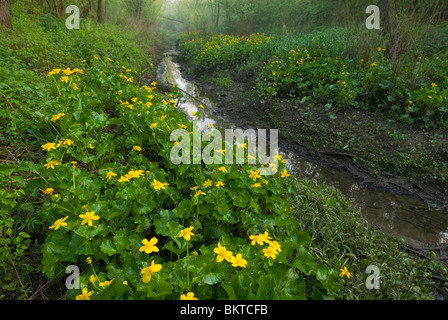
(390, 212)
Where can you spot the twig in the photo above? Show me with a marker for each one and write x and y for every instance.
(10, 104)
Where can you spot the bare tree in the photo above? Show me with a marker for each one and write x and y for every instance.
(5, 17)
(391, 27)
(101, 11)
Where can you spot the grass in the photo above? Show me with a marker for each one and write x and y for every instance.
(342, 237)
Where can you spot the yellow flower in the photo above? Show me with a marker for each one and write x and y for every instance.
(223, 169)
(182, 126)
(134, 174)
(67, 142)
(434, 85)
(270, 252)
(148, 272)
(105, 283)
(210, 125)
(54, 71)
(149, 246)
(124, 178)
(110, 174)
(285, 174)
(222, 253)
(64, 79)
(153, 125)
(199, 193)
(186, 233)
(344, 273)
(49, 191)
(85, 295)
(67, 71)
(88, 217)
(430, 97)
(265, 236)
(201, 106)
(51, 164)
(238, 261)
(59, 223)
(153, 83)
(219, 184)
(243, 145)
(194, 188)
(275, 245)
(254, 174)
(374, 64)
(189, 296)
(208, 183)
(91, 146)
(92, 279)
(137, 148)
(75, 86)
(56, 117)
(89, 260)
(74, 164)
(159, 185)
(256, 185)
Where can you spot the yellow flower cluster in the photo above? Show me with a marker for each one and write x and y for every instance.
(127, 177)
(272, 250)
(224, 254)
(57, 116)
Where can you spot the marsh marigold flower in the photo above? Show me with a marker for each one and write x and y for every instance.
(149, 271)
(270, 252)
(137, 148)
(49, 191)
(48, 146)
(238, 261)
(85, 295)
(285, 174)
(345, 272)
(88, 218)
(51, 164)
(199, 193)
(149, 246)
(157, 185)
(59, 223)
(186, 233)
(222, 253)
(254, 175)
(188, 296)
(110, 175)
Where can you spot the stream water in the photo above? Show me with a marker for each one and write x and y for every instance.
(390, 212)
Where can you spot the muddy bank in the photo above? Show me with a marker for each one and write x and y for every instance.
(369, 149)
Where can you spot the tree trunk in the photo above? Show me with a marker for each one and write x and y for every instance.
(101, 11)
(391, 28)
(217, 15)
(5, 17)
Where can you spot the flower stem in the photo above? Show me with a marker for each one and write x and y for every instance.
(188, 268)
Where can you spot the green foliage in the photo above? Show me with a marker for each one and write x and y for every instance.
(220, 51)
(318, 68)
(104, 117)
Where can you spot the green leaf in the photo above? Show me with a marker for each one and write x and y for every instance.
(108, 248)
(213, 277)
(294, 290)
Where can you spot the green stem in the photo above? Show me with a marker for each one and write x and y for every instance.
(188, 268)
(73, 180)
